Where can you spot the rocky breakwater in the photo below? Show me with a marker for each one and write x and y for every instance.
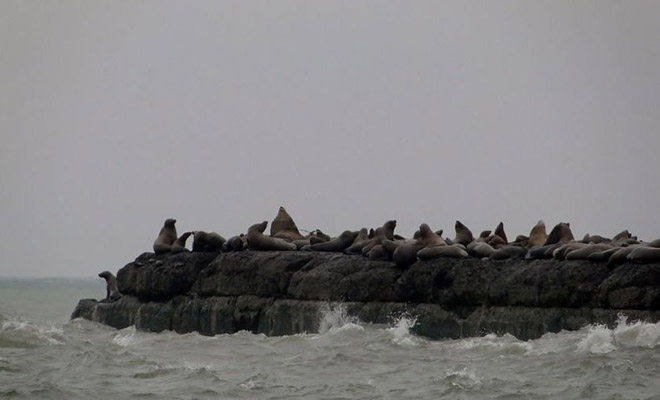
(286, 292)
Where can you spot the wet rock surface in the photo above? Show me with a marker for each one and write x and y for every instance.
(280, 293)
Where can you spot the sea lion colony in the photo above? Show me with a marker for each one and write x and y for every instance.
(383, 244)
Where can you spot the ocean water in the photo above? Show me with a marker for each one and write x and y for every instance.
(44, 355)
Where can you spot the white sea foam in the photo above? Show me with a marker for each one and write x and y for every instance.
(335, 318)
(601, 340)
(125, 337)
(401, 331)
(21, 331)
(462, 378)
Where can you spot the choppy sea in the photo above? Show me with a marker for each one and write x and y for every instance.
(44, 355)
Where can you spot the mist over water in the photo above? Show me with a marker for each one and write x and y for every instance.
(44, 355)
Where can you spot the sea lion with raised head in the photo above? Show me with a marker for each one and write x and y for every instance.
(179, 245)
(559, 236)
(463, 234)
(111, 290)
(406, 253)
(166, 237)
(384, 232)
(537, 236)
(283, 226)
(256, 240)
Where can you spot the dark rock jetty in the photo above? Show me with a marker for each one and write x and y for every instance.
(285, 292)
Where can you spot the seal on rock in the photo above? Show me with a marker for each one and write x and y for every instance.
(463, 234)
(111, 290)
(283, 226)
(179, 245)
(338, 244)
(166, 237)
(234, 243)
(644, 255)
(256, 240)
(207, 241)
(456, 250)
(537, 236)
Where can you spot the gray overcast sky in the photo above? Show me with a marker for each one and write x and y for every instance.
(117, 115)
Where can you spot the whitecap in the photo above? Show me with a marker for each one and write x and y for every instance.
(401, 331)
(599, 340)
(125, 337)
(334, 318)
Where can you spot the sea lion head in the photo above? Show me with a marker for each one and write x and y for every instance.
(260, 227)
(425, 231)
(105, 275)
(169, 223)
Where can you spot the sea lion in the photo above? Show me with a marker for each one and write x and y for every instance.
(256, 240)
(430, 238)
(338, 244)
(480, 249)
(234, 243)
(207, 241)
(537, 236)
(484, 234)
(283, 226)
(560, 252)
(622, 236)
(463, 234)
(456, 250)
(561, 233)
(603, 256)
(620, 256)
(644, 255)
(654, 243)
(406, 253)
(380, 253)
(361, 240)
(499, 231)
(111, 290)
(586, 251)
(179, 245)
(166, 237)
(595, 239)
(384, 232)
(506, 252)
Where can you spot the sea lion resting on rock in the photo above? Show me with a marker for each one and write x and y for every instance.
(384, 232)
(256, 240)
(407, 252)
(111, 290)
(456, 250)
(337, 244)
(234, 243)
(207, 241)
(561, 234)
(166, 237)
(585, 252)
(283, 227)
(179, 245)
(644, 255)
